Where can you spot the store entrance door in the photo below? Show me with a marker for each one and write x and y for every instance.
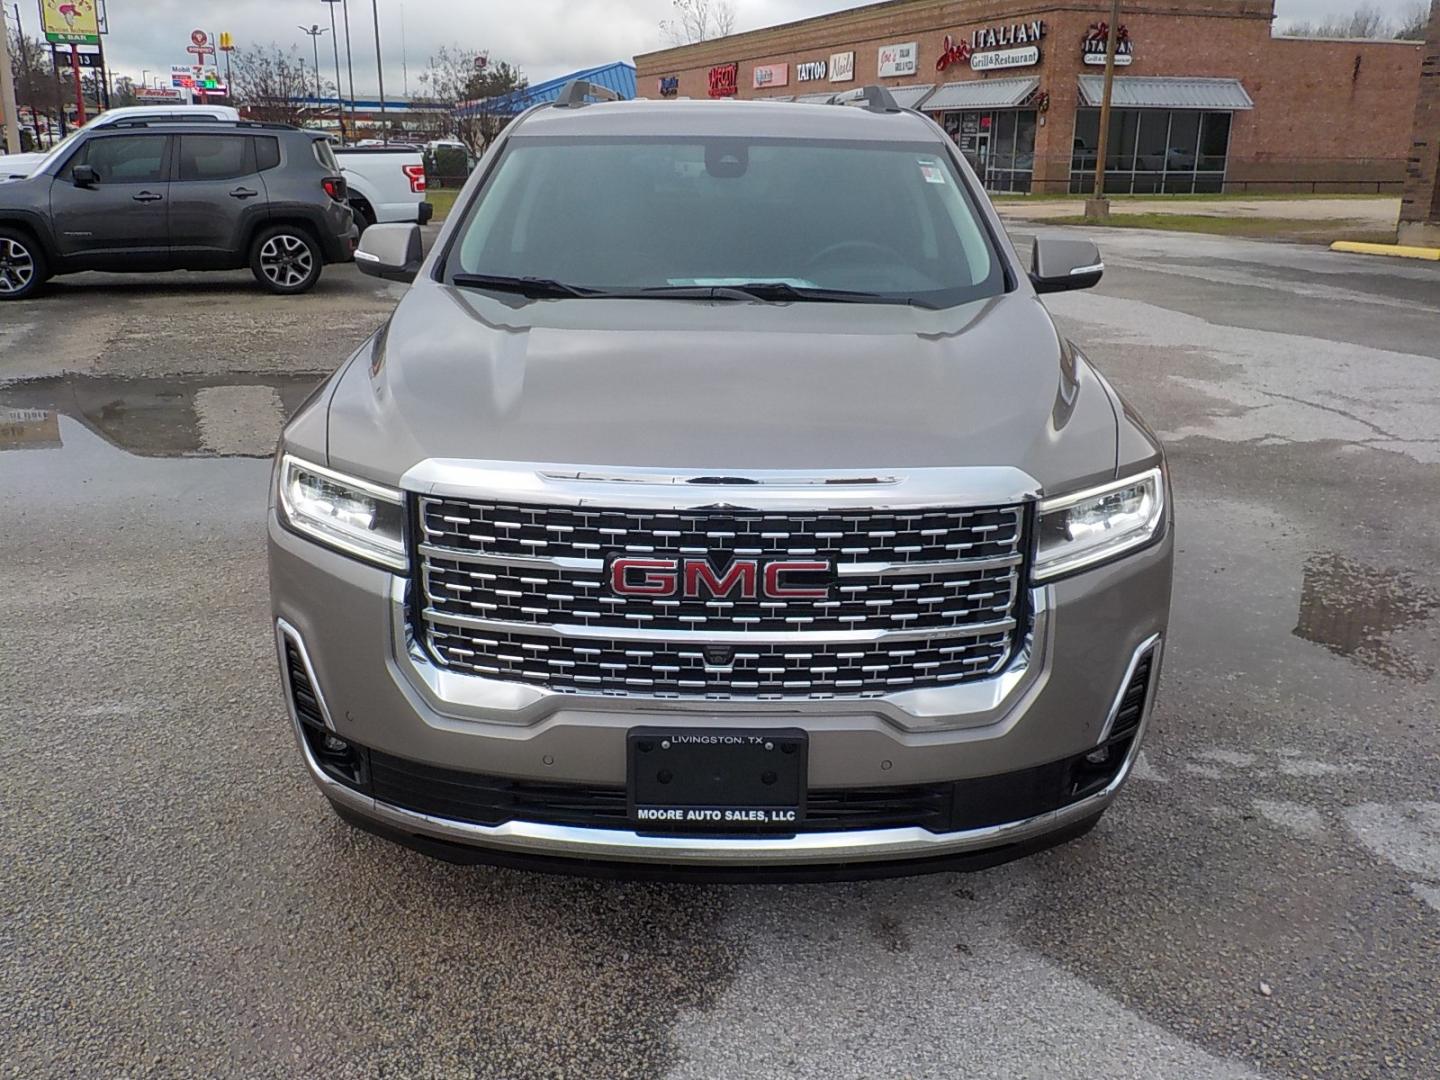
(999, 144)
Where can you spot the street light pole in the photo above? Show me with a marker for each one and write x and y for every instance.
(380, 70)
(315, 30)
(349, 62)
(335, 44)
(1097, 208)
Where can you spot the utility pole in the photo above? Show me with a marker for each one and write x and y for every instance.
(7, 90)
(1097, 208)
(380, 71)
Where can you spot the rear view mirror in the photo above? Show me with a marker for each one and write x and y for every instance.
(1058, 264)
(85, 176)
(392, 252)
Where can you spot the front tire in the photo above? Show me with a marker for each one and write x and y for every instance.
(286, 259)
(22, 265)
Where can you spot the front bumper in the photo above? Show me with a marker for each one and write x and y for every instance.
(1057, 701)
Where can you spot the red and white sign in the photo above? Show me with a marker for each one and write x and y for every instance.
(771, 75)
(1097, 39)
(725, 80)
(160, 93)
(199, 37)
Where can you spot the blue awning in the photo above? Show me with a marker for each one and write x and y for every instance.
(619, 77)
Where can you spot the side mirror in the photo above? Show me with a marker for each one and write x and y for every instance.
(1058, 265)
(85, 176)
(392, 252)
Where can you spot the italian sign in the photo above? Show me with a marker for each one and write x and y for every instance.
(1005, 58)
(1093, 46)
(70, 22)
(893, 60)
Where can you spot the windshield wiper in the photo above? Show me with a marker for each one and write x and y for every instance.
(526, 286)
(777, 291)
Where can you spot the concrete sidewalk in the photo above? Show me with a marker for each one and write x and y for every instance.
(1373, 213)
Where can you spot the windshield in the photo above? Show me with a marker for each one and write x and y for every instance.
(875, 222)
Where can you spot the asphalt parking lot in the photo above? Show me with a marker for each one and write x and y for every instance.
(1263, 901)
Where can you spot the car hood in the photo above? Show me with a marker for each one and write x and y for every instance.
(18, 166)
(720, 386)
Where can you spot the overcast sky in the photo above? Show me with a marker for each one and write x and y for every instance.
(545, 38)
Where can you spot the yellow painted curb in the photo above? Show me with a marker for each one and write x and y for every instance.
(1398, 250)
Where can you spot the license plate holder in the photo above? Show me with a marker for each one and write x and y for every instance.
(716, 779)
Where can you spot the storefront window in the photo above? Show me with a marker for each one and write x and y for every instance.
(999, 145)
(1152, 150)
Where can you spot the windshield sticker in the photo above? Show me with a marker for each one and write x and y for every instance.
(932, 171)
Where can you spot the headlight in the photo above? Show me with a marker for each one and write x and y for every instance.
(1094, 526)
(345, 513)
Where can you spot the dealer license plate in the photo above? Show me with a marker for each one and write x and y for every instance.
(716, 779)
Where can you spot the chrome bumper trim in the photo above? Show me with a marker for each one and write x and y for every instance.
(624, 846)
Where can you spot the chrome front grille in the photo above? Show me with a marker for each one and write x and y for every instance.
(859, 536)
(919, 597)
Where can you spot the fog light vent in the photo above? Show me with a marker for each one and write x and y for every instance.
(1132, 702)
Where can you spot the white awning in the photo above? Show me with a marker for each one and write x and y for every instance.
(1157, 92)
(982, 94)
(816, 99)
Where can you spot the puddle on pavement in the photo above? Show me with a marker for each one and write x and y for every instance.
(1354, 610)
(186, 416)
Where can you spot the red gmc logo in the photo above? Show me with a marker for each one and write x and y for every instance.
(695, 578)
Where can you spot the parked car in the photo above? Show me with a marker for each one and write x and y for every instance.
(720, 499)
(146, 195)
(19, 166)
(387, 183)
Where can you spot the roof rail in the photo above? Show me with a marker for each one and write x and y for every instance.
(876, 99)
(204, 121)
(577, 90)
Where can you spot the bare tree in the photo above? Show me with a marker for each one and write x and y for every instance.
(1365, 21)
(458, 85)
(36, 99)
(699, 20)
(1413, 21)
(273, 85)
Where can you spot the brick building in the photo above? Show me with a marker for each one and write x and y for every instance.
(1206, 99)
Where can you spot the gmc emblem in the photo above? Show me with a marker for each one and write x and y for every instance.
(697, 578)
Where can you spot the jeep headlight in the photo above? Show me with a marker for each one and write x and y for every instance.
(343, 512)
(1090, 527)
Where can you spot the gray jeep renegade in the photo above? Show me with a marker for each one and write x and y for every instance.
(171, 193)
(721, 500)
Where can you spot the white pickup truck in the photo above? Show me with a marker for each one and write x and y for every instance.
(387, 184)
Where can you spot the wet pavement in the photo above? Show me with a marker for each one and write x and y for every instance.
(1263, 901)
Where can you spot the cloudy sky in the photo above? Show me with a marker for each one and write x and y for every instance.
(545, 38)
